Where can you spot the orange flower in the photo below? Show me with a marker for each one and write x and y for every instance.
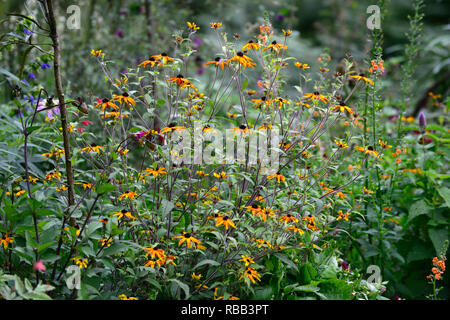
(105, 103)
(361, 76)
(302, 66)
(251, 45)
(315, 96)
(251, 274)
(243, 60)
(182, 82)
(188, 238)
(278, 176)
(152, 62)
(215, 25)
(124, 98)
(218, 62)
(275, 47)
(341, 107)
(288, 218)
(226, 221)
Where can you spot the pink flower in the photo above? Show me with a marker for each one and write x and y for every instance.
(80, 130)
(39, 266)
(86, 122)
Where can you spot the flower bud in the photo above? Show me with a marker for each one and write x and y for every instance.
(422, 120)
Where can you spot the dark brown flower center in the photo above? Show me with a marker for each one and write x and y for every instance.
(217, 59)
(240, 54)
(105, 100)
(242, 127)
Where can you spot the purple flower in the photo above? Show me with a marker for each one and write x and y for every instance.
(280, 17)
(123, 12)
(45, 66)
(200, 70)
(119, 33)
(139, 134)
(422, 120)
(50, 112)
(26, 31)
(31, 76)
(197, 42)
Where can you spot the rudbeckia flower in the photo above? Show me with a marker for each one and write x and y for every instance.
(171, 127)
(254, 208)
(129, 195)
(192, 26)
(97, 53)
(277, 176)
(105, 103)
(241, 129)
(152, 62)
(340, 144)
(218, 62)
(247, 260)
(286, 33)
(53, 175)
(123, 213)
(315, 96)
(295, 229)
(341, 107)
(251, 274)
(196, 276)
(369, 150)
(163, 57)
(155, 173)
(243, 60)
(221, 175)
(226, 221)
(251, 45)
(82, 263)
(275, 47)
(361, 76)
(188, 238)
(280, 102)
(302, 66)
(182, 82)
(288, 218)
(124, 98)
(93, 147)
(115, 115)
(215, 25)
(384, 144)
(343, 215)
(5, 240)
(262, 101)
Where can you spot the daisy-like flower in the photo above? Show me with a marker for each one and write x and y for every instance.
(31, 179)
(262, 101)
(251, 274)
(288, 218)
(275, 47)
(310, 222)
(152, 62)
(115, 115)
(105, 242)
(162, 57)
(294, 229)
(53, 175)
(123, 213)
(182, 82)
(215, 25)
(384, 144)
(302, 66)
(280, 102)
(247, 260)
(366, 191)
(341, 107)
(242, 129)
(192, 26)
(202, 173)
(315, 96)
(286, 33)
(128, 195)
(369, 150)
(340, 144)
(362, 76)
(97, 53)
(106, 103)
(226, 221)
(343, 215)
(231, 115)
(55, 152)
(277, 176)
(284, 145)
(251, 45)
(221, 175)
(124, 98)
(80, 262)
(243, 60)
(155, 252)
(155, 173)
(188, 238)
(196, 276)
(172, 127)
(254, 208)
(218, 62)
(5, 240)
(264, 213)
(92, 148)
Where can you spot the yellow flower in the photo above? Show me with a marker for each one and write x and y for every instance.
(226, 221)
(369, 150)
(124, 297)
(93, 147)
(105, 242)
(55, 152)
(243, 60)
(341, 107)
(163, 57)
(251, 274)
(196, 276)
(342, 215)
(188, 238)
(129, 195)
(295, 229)
(247, 260)
(340, 144)
(82, 263)
(124, 98)
(53, 175)
(286, 33)
(218, 62)
(105, 103)
(85, 185)
(221, 175)
(97, 53)
(251, 45)
(123, 213)
(63, 188)
(288, 218)
(361, 76)
(278, 176)
(275, 47)
(5, 240)
(302, 66)
(384, 144)
(193, 26)
(215, 25)
(202, 173)
(155, 173)
(315, 96)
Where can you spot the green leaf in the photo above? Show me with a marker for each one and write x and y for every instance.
(438, 237)
(44, 246)
(418, 208)
(207, 261)
(286, 260)
(245, 84)
(445, 193)
(105, 188)
(183, 286)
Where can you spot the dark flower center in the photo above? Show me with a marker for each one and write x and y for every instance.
(316, 93)
(105, 100)
(125, 94)
(124, 211)
(342, 103)
(242, 127)
(274, 42)
(225, 218)
(187, 235)
(180, 76)
(164, 54)
(254, 206)
(171, 125)
(217, 59)
(240, 54)
(251, 41)
(93, 145)
(151, 59)
(370, 148)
